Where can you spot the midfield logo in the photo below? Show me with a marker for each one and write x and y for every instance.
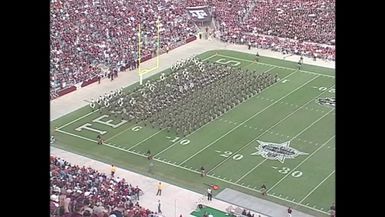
(276, 151)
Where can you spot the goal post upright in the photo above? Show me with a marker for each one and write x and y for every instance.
(139, 53)
(140, 70)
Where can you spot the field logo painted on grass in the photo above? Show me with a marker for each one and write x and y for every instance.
(328, 101)
(277, 151)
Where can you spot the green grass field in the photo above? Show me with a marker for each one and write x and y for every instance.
(285, 114)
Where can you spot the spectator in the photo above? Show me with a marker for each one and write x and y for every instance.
(160, 187)
(88, 35)
(86, 191)
(113, 170)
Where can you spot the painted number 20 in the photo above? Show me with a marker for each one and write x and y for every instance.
(235, 157)
(295, 174)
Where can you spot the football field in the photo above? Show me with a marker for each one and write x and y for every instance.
(283, 137)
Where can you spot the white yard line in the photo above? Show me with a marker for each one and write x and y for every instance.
(282, 67)
(77, 119)
(248, 119)
(316, 187)
(145, 140)
(81, 137)
(301, 163)
(172, 145)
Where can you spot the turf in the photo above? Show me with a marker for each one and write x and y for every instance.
(228, 147)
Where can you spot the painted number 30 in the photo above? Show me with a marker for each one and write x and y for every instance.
(286, 170)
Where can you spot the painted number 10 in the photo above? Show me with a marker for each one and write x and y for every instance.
(182, 142)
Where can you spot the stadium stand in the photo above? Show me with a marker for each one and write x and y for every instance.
(80, 191)
(289, 26)
(87, 34)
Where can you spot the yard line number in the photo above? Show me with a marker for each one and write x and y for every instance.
(136, 128)
(331, 90)
(285, 170)
(180, 141)
(228, 154)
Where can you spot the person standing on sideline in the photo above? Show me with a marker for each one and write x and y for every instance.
(100, 140)
(209, 194)
(289, 211)
(159, 210)
(249, 45)
(263, 189)
(113, 170)
(202, 171)
(159, 192)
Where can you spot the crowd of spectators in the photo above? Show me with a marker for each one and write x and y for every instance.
(86, 34)
(80, 191)
(303, 27)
